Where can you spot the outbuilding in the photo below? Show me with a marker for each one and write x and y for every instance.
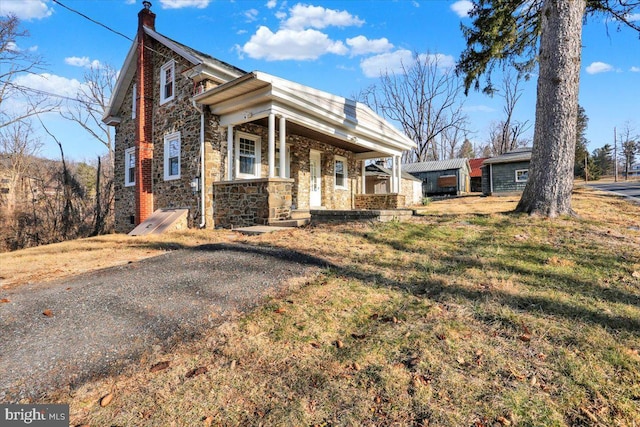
(442, 177)
(507, 173)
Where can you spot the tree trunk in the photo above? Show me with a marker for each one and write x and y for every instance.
(548, 191)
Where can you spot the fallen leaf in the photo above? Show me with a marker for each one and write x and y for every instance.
(461, 361)
(503, 421)
(358, 337)
(339, 344)
(232, 365)
(421, 379)
(636, 274)
(356, 366)
(208, 421)
(533, 380)
(106, 399)
(197, 371)
(525, 338)
(441, 336)
(160, 366)
(280, 310)
(315, 345)
(542, 356)
(589, 414)
(374, 316)
(520, 237)
(377, 400)
(48, 313)
(5, 300)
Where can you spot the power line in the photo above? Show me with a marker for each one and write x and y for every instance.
(93, 20)
(43, 92)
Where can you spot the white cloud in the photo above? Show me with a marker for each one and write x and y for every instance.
(271, 4)
(290, 44)
(131, 1)
(397, 61)
(361, 45)
(635, 69)
(179, 4)
(49, 83)
(82, 62)
(478, 108)
(415, 4)
(305, 16)
(12, 47)
(251, 15)
(462, 8)
(27, 10)
(599, 67)
(632, 17)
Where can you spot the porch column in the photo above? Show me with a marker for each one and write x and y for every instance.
(392, 188)
(399, 175)
(229, 152)
(272, 145)
(283, 147)
(363, 186)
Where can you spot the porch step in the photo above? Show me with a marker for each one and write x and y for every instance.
(300, 214)
(290, 222)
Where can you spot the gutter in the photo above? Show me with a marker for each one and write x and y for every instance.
(203, 222)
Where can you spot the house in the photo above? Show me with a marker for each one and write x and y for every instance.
(441, 177)
(476, 174)
(506, 174)
(234, 148)
(378, 181)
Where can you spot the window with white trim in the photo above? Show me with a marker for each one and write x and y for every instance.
(167, 82)
(133, 103)
(247, 155)
(522, 175)
(130, 167)
(287, 162)
(172, 156)
(340, 172)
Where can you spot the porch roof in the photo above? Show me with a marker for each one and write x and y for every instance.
(309, 112)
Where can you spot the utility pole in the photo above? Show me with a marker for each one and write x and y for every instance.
(615, 156)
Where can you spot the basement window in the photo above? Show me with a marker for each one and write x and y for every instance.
(167, 82)
(172, 156)
(522, 175)
(130, 167)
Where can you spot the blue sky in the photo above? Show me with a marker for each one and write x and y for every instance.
(336, 46)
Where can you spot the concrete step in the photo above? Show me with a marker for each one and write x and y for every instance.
(300, 214)
(290, 222)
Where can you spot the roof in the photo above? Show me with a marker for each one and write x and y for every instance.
(374, 169)
(436, 165)
(255, 95)
(204, 66)
(475, 164)
(522, 154)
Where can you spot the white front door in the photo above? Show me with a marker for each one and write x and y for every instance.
(315, 192)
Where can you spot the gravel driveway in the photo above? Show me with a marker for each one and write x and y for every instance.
(105, 320)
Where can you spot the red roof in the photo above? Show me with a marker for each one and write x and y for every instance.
(475, 167)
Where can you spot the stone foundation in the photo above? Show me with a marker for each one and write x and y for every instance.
(250, 202)
(379, 201)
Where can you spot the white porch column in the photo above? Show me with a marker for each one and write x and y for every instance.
(363, 187)
(272, 145)
(229, 152)
(392, 189)
(399, 174)
(283, 147)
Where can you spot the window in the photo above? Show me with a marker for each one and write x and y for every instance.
(340, 172)
(172, 156)
(167, 82)
(130, 167)
(522, 175)
(133, 103)
(247, 155)
(287, 162)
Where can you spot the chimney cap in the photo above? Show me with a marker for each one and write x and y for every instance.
(146, 4)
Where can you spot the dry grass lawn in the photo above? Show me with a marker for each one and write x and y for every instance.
(456, 318)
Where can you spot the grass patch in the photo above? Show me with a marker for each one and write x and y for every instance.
(452, 319)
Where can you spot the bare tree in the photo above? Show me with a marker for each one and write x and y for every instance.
(425, 99)
(15, 61)
(630, 147)
(87, 110)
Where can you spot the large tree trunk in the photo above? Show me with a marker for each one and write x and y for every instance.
(548, 191)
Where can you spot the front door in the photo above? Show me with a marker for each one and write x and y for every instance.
(315, 192)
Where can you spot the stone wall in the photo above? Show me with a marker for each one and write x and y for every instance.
(380, 201)
(251, 202)
(125, 137)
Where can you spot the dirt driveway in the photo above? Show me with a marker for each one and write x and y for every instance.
(100, 322)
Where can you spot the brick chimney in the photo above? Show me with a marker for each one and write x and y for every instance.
(144, 116)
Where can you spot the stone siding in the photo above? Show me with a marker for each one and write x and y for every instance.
(251, 202)
(380, 201)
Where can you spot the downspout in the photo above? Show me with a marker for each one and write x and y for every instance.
(491, 179)
(203, 222)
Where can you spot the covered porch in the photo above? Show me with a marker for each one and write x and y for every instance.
(291, 149)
